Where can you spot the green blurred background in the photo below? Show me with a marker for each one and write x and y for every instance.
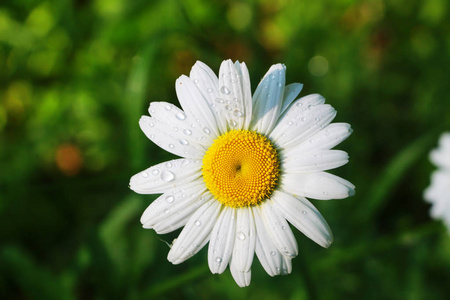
(75, 77)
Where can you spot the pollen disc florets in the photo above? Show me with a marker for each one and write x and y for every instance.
(241, 168)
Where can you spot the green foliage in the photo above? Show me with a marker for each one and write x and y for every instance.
(77, 75)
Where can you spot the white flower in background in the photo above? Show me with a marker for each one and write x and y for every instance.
(438, 193)
(248, 164)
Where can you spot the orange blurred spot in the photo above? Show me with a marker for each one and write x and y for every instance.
(68, 159)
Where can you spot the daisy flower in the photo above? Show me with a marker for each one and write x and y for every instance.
(438, 193)
(248, 165)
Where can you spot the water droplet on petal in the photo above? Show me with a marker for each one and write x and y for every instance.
(187, 132)
(183, 142)
(325, 193)
(219, 100)
(171, 146)
(283, 227)
(184, 163)
(206, 130)
(290, 123)
(303, 119)
(225, 90)
(240, 235)
(168, 165)
(144, 174)
(197, 223)
(151, 124)
(167, 176)
(170, 199)
(311, 141)
(168, 107)
(299, 104)
(196, 81)
(180, 116)
(166, 211)
(272, 253)
(155, 172)
(304, 212)
(228, 107)
(238, 113)
(218, 260)
(233, 123)
(279, 84)
(210, 90)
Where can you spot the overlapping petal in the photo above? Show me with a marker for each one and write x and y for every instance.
(165, 176)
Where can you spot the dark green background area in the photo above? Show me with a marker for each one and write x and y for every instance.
(75, 77)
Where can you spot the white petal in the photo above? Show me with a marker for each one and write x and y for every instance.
(291, 91)
(241, 278)
(196, 233)
(174, 203)
(222, 241)
(195, 105)
(320, 185)
(232, 104)
(315, 161)
(246, 91)
(244, 243)
(301, 122)
(304, 216)
(170, 140)
(166, 175)
(267, 100)
(325, 139)
(279, 229)
(184, 128)
(267, 252)
(208, 84)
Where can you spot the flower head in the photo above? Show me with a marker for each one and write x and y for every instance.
(248, 164)
(438, 193)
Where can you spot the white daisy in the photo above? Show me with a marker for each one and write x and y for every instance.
(438, 193)
(248, 164)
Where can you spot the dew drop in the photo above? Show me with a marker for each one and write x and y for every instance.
(184, 163)
(197, 223)
(183, 142)
(317, 119)
(167, 176)
(206, 130)
(228, 107)
(283, 227)
(325, 193)
(151, 124)
(299, 104)
(180, 116)
(290, 123)
(279, 84)
(219, 100)
(187, 132)
(233, 123)
(166, 211)
(171, 146)
(218, 260)
(225, 90)
(168, 107)
(303, 119)
(238, 113)
(272, 253)
(168, 165)
(170, 199)
(144, 174)
(210, 90)
(311, 141)
(272, 76)
(304, 212)
(196, 81)
(155, 172)
(240, 235)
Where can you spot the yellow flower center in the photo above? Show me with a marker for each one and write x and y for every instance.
(241, 168)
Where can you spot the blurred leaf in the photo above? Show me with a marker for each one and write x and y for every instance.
(392, 175)
(34, 280)
(113, 231)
